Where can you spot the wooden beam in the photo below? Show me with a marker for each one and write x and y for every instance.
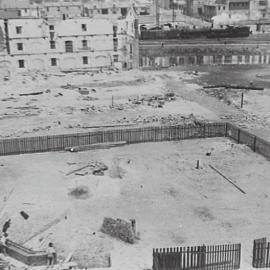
(216, 170)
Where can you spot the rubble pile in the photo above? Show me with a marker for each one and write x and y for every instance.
(99, 168)
(119, 228)
(96, 168)
(228, 96)
(154, 100)
(177, 119)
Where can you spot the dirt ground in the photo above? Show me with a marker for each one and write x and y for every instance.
(132, 98)
(174, 203)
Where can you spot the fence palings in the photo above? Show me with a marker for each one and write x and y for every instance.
(219, 257)
(261, 253)
(130, 135)
(257, 144)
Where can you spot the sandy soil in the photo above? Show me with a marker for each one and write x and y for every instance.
(174, 203)
(110, 101)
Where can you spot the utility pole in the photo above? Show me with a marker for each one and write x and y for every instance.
(157, 13)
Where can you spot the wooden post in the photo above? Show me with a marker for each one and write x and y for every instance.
(254, 143)
(198, 164)
(242, 99)
(112, 102)
(238, 136)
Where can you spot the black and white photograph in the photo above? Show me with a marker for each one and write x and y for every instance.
(134, 134)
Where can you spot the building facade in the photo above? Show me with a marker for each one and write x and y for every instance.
(75, 43)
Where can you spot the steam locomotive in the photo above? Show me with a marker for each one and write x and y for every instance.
(228, 32)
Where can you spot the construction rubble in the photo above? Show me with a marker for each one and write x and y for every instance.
(120, 229)
(176, 119)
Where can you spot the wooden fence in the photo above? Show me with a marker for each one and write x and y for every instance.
(134, 135)
(225, 257)
(257, 144)
(130, 135)
(261, 258)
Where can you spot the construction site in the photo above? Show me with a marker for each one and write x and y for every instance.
(108, 205)
(134, 137)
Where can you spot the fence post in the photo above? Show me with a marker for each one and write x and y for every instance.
(254, 143)
(226, 129)
(238, 135)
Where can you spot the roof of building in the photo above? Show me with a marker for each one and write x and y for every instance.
(166, 17)
(14, 4)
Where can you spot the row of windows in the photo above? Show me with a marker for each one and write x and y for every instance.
(69, 45)
(51, 27)
(54, 62)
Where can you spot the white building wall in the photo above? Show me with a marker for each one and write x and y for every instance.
(100, 51)
(31, 28)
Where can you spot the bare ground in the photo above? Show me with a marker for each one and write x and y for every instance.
(174, 203)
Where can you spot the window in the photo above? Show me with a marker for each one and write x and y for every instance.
(18, 29)
(104, 11)
(21, 63)
(19, 13)
(114, 10)
(51, 27)
(85, 60)
(52, 44)
(69, 46)
(19, 46)
(84, 43)
(114, 30)
(53, 62)
(124, 11)
(84, 27)
(115, 58)
(115, 44)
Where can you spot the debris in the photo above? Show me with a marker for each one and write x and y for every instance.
(119, 228)
(216, 170)
(81, 174)
(31, 94)
(24, 215)
(6, 226)
(98, 172)
(83, 91)
(228, 86)
(79, 169)
(94, 146)
(28, 203)
(69, 257)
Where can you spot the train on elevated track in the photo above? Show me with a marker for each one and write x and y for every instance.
(176, 33)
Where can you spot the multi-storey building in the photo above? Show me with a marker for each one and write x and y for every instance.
(251, 9)
(71, 43)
